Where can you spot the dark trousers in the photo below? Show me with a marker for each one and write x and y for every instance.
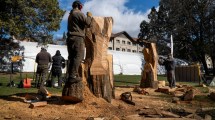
(56, 72)
(171, 78)
(75, 47)
(42, 71)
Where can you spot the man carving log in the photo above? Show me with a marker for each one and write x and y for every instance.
(77, 22)
(149, 73)
(97, 66)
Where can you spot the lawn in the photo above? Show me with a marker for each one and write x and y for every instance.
(5, 90)
(119, 80)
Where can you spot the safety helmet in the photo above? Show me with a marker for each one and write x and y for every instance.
(78, 4)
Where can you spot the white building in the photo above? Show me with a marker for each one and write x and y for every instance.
(122, 41)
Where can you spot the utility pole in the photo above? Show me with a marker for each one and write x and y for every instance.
(171, 45)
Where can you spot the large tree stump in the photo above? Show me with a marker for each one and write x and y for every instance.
(149, 73)
(74, 92)
(98, 64)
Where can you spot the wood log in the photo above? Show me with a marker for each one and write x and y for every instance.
(163, 90)
(38, 104)
(169, 114)
(189, 95)
(161, 83)
(178, 94)
(150, 111)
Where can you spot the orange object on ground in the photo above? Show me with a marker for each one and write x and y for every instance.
(27, 83)
(16, 58)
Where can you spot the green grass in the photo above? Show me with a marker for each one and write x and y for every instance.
(126, 80)
(119, 80)
(7, 91)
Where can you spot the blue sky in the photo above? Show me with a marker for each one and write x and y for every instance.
(127, 14)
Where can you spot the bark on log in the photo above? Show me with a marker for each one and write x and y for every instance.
(73, 92)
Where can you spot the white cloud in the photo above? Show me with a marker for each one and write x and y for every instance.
(125, 19)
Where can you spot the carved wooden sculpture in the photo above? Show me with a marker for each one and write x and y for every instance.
(98, 64)
(97, 70)
(149, 73)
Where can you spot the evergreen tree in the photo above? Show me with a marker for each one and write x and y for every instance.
(26, 19)
(64, 36)
(30, 19)
(191, 22)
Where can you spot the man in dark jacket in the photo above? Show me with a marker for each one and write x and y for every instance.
(57, 63)
(77, 22)
(169, 64)
(43, 59)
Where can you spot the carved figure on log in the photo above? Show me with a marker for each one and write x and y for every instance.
(98, 64)
(149, 73)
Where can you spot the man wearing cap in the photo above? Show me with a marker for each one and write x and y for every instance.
(77, 22)
(43, 59)
(58, 62)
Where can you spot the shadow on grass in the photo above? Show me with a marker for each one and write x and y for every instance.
(15, 97)
(118, 81)
(20, 97)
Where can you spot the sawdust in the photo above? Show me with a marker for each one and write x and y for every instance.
(13, 107)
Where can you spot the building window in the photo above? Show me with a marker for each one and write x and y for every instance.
(129, 43)
(117, 41)
(134, 44)
(117, 49)
(129, 50)
(134, 51)
(110, 48)
(140, 51)
(123, 49)
(123, 42)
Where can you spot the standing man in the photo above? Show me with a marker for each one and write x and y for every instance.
(169, 64)
(77, 22)
(43, 59)
(57, 62)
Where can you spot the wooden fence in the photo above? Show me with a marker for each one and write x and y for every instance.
(189, 73)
